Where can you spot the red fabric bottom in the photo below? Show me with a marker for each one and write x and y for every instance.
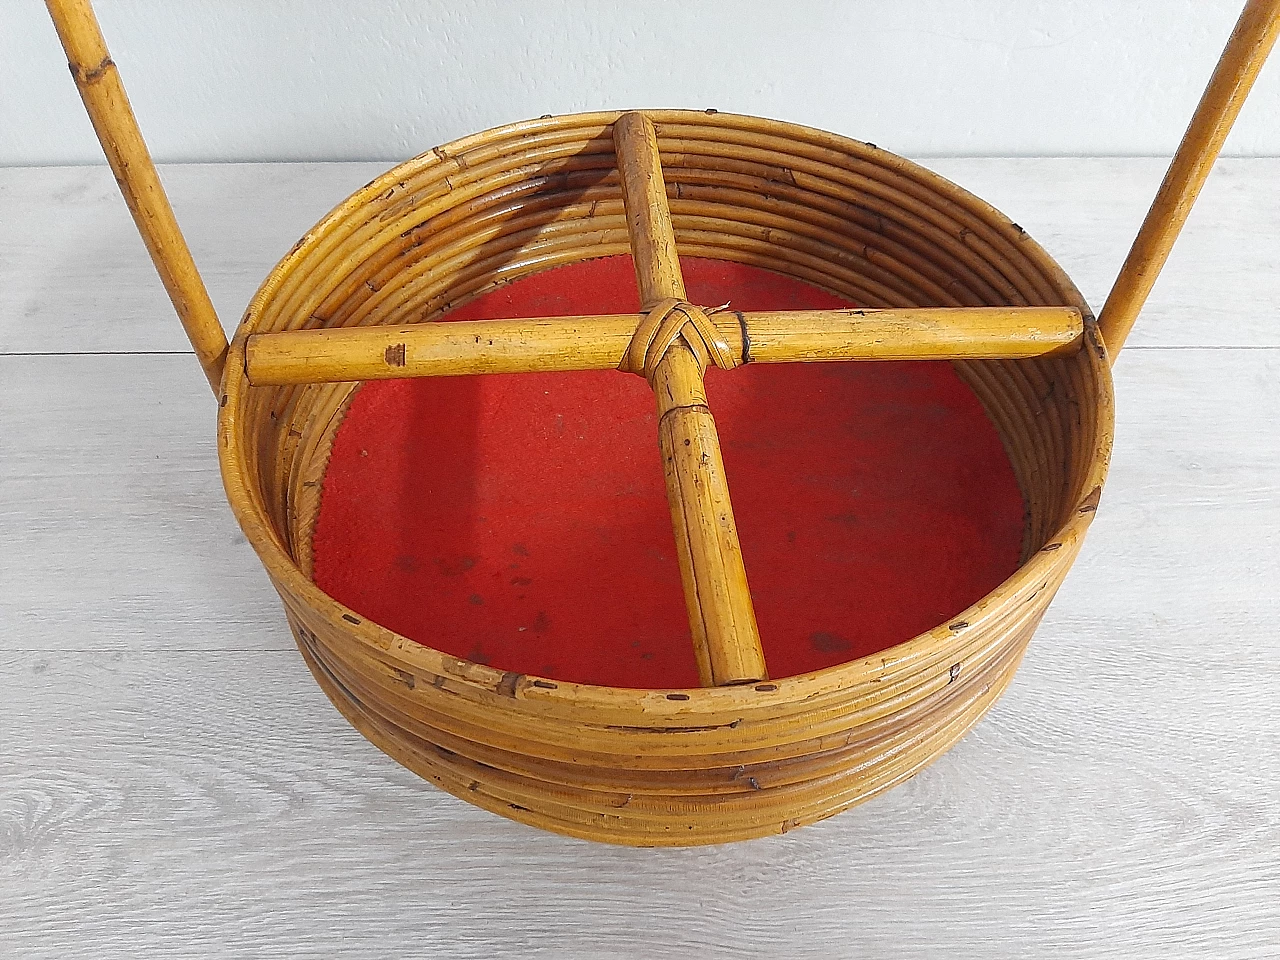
(521, 520)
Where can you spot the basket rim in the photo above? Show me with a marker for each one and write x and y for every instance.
(672, 705)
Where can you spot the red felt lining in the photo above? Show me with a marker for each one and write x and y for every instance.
(521, 520)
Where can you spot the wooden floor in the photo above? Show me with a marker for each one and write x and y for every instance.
(173, 784)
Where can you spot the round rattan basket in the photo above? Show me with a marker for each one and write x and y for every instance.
(745, 754)
(665, 766)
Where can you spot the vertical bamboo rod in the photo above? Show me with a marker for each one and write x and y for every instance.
(117, 129)
(1245, 52)
(721, 618)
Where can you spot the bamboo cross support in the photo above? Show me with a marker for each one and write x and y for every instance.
(547, 344)
(721, 617)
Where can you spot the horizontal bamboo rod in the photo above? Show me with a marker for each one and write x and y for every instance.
(721, 617)
(1246, 51)
(117, 129)
(551, 344)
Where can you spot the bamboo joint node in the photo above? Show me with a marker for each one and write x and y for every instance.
(670, 320)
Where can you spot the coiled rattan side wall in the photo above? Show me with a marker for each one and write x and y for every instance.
(665, 766)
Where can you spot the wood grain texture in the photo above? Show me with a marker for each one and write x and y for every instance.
(160, 796)
(77, 277)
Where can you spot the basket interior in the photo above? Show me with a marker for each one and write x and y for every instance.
(521, 521)
(912, 489)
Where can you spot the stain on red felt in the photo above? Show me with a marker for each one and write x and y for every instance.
(521, 520)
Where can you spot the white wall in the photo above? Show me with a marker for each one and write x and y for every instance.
(386, 79)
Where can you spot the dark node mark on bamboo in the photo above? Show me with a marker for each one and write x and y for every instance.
(766, 687)
(871, 145)
(371, 286)
(711, 111)
(516, 806)
(1050, 547)
(222, 400)
(625, 800)
(394, 355)
(405, 677)
(667, 731)
(953, 673)
(699, 407)
(350, 619)
(546, 685)
(473, 785)
(958, 626)
(438, 683)
(677, 696)
(507, 685)
(444, 155)
(755, 784)
(546, 116)
(1091, 501)
(92, 75)
(746, 337)
(785, 175)
(1018, 227)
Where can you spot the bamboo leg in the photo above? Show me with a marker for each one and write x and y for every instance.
(117, 129)
(723, 623)
(1246, 51)
(334, 355)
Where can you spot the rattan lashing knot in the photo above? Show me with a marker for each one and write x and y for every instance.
(668, 321)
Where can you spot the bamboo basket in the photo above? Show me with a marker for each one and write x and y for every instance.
(745, 755)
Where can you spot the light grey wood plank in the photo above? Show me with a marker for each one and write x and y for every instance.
(184, 804)
(1085, 212)
(118, 536)
(115, 527)
(77, 276)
